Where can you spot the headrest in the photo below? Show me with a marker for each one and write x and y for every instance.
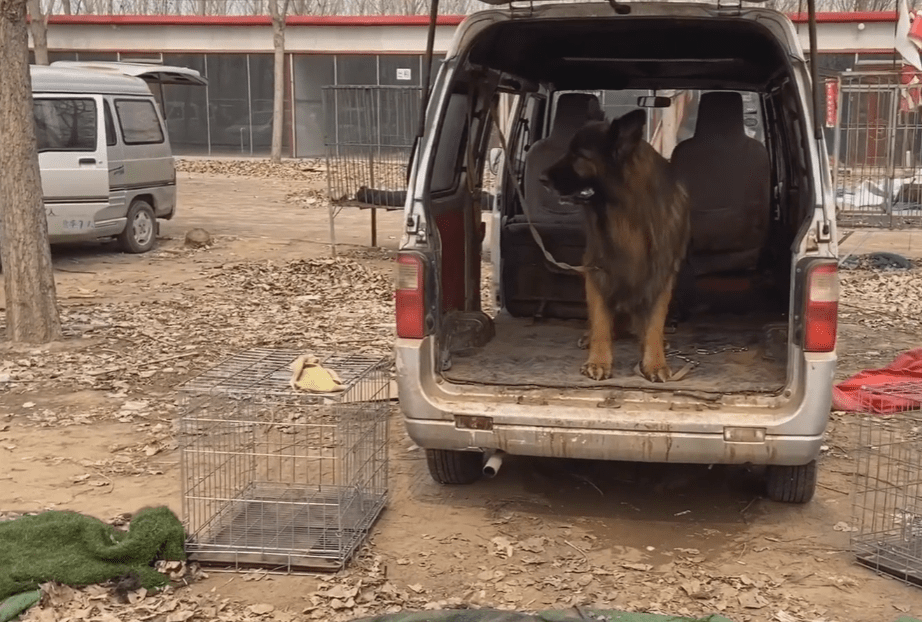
(574, 110)
(720, 112)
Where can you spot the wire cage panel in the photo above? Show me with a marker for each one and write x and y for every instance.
(877, 168)
(279, 477)
(368, 138)
(887, 506)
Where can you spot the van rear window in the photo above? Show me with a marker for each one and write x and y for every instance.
(65, 124)
(139, 122)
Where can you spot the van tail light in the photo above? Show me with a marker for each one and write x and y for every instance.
(411, 300)
(822, 308)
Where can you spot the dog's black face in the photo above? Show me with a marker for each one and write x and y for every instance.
(596, 151)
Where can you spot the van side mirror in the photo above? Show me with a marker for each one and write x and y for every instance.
(654, 101)
(495, 159)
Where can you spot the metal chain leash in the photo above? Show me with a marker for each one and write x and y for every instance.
(703, 352)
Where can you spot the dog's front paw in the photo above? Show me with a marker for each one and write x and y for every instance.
(583, 342)
(656, 372)
(597, 370)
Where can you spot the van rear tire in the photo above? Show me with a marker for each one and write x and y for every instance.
(140, 234)
(454, 467)
(791, 484)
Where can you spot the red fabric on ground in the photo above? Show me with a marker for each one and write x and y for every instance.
(907, 367)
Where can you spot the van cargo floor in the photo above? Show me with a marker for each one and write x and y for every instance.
(734, 354)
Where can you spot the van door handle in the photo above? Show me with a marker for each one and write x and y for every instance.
(83, 161)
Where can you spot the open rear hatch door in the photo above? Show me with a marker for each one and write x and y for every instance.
(622, 7)
(150, 73)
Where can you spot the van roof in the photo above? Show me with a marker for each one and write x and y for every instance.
(72, 80)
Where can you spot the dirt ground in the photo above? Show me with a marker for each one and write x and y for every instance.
(88, 424)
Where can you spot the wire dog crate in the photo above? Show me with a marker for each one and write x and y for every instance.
(279, 477)
(887, 506)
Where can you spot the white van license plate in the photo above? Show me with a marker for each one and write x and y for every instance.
(69, 225)
(76, 225)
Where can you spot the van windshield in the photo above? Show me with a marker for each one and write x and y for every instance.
(668, 126)
(65, 124)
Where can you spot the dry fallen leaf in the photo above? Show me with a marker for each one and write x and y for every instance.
(533, 545)
(338, 604)
(502, 547)
(694, 590)
(751, 600)
(180, 616)
(256, 575)
(641, 567)
(137, 596)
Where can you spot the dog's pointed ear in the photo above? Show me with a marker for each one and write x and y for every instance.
(627, 131)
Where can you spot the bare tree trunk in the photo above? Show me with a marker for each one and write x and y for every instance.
(278, 99)
(326, 7)
(67, 7)
(38, 23)
(31, 304)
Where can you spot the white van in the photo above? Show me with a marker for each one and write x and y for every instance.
(759, 343)
(106, 165)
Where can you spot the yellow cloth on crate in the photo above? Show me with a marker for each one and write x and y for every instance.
(308, 375)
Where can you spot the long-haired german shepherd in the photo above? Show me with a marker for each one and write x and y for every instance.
(637, 234)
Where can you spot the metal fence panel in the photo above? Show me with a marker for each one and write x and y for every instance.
(877, 165)
(368, 137)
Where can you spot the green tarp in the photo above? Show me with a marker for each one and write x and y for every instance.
(14, 605)
(560, 615)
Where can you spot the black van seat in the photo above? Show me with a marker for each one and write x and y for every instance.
(532, 285)
(574, 110)
(728, 176)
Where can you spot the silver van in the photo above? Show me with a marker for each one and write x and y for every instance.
(106, 165)
(485, 371)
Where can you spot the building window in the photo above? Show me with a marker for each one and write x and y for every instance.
(357, 70)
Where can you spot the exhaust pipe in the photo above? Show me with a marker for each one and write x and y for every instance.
(491, 468)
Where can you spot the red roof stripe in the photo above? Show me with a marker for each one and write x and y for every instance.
(253, 20)
(847, 18)
(371, 20)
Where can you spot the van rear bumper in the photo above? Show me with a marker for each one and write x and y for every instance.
(622, 445)
(572, 424)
